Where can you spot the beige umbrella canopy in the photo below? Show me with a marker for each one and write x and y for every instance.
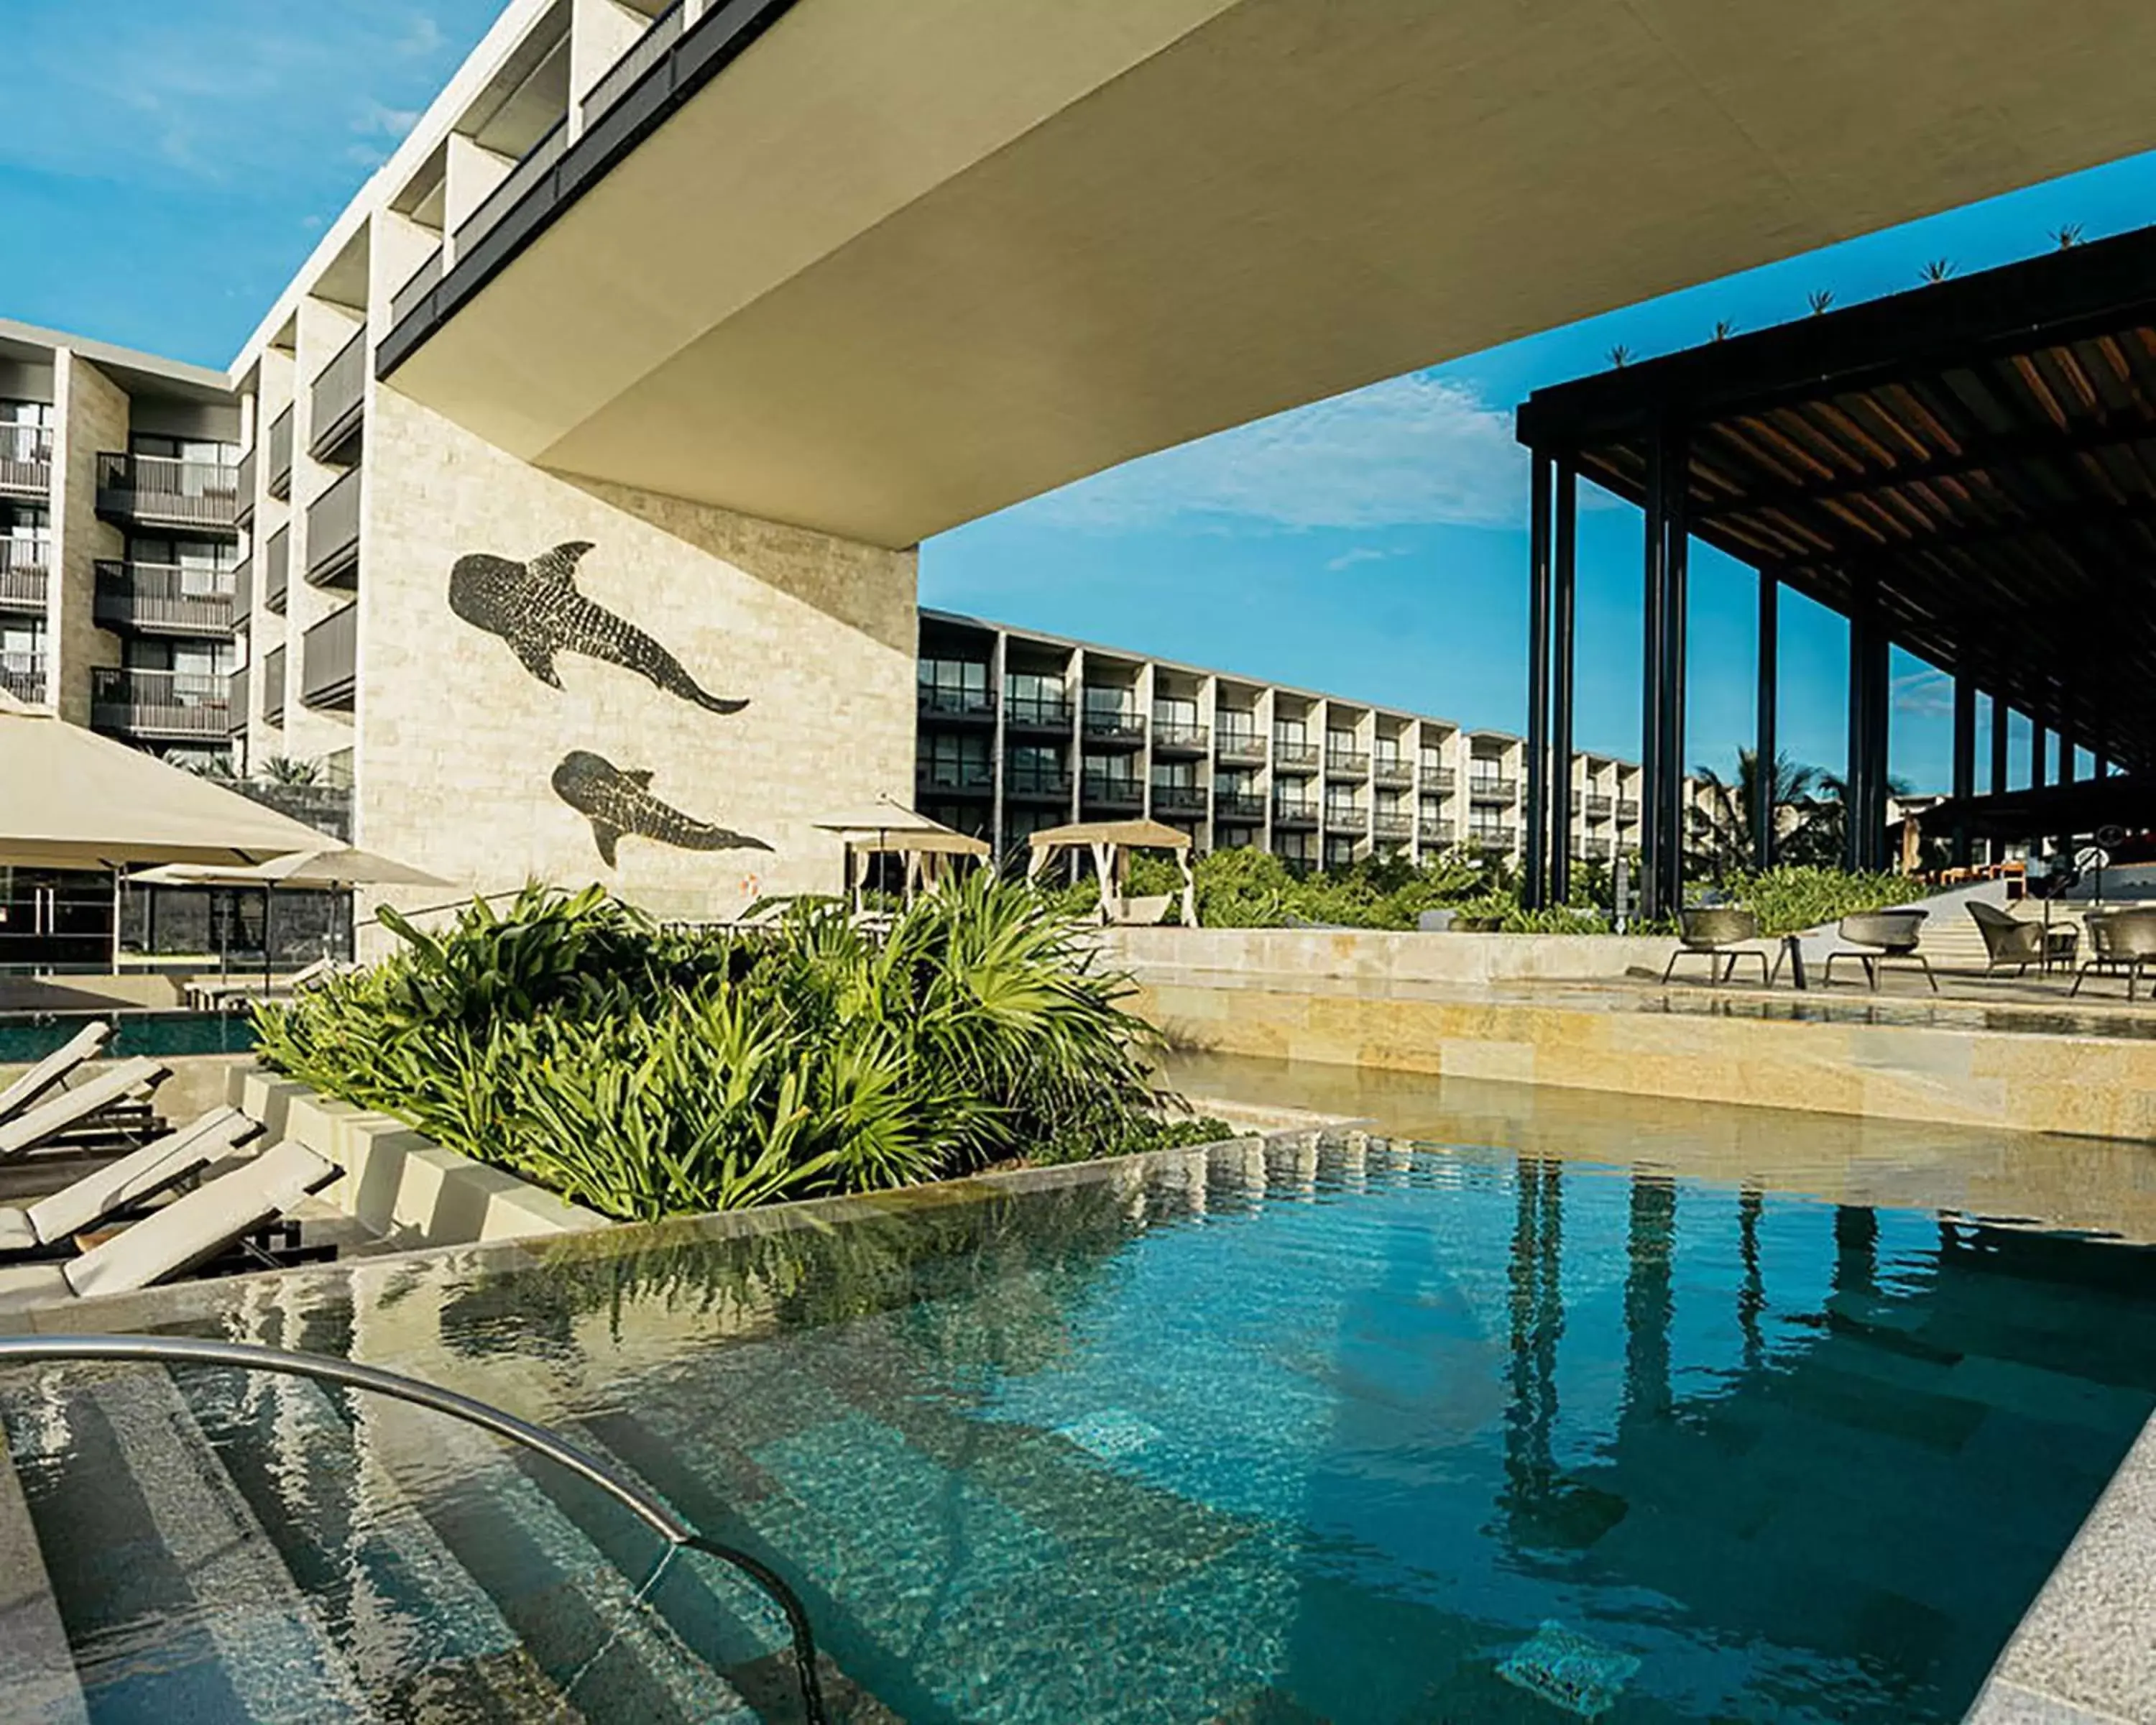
(72, 799)
(320, 865)
(892, 829)
(1111, 842)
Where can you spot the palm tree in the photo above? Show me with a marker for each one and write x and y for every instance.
(1818, 299)
(1621, 354)
(1723, 836)
(1938, 270)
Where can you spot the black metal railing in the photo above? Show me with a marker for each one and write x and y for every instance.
(1592, 850)
(420, 283)
(536, 164)
(333, 530)
(1240, 746)
(1296, 755)
(1346, 818)
(1598, 808)
(337, 406)
(1114, 724)
(941, 703)
(281, 455)
(160, 703)
(23, 674)
(242, 592)
(1112, 791)
(329, 659)
(167, 491)
(350, 1374)
(273, 686)
(1177, 738)
(955, 776)
(276, 569)
(1049, 782)
(24, 573)
(1181, 799)
(243, 510)
(1295, 811)
(1485, 837)
(1392, 826)
(1347, 763)
(1239, 806)
(1433, 831)
(1628, 812)
(164, 598)
(1392, 770)
(1489, 787)
(26, 460)
(1038, 712)
(643, 54)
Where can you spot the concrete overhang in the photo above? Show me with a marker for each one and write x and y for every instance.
(899, 266)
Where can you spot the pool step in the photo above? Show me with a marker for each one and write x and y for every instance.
(37, 1672)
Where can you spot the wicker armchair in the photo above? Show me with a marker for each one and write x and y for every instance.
(1717, 935)
(2120, 942)
(1877, 938)
(2008, 939)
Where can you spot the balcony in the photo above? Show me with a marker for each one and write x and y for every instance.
(281, 455)
(1484, 836)
(1239, 807)
(328, 661)
(333, 534)
(163, 492)
(1114, 724)
(23, 675)
(1391, 770)
(1031, 784)
(1598, 808)
(420, 283)
(244, 510)
(1591, 849)
(1237, 748)
(26, 462)
(1295, 757)
(1179, 739)
(1181, 799)
(1628, 812)
(955, 778)
(1489, 787)
(643, 54)
(163, 599)
(963, 705)
(235, 702)
(1295, 814)
(1434, 831)
(23, 574)
(273, 686)
(1346, 818)
(1101, 790)
(242, 592)
(1038, 712)
(538, 161)
(1393, 829)
(1347, 763)
(174, 706)
(337, 405)
(276, 569)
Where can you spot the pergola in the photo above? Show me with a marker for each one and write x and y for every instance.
(1967, 470)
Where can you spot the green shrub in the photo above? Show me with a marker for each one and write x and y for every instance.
(1799, 897)
(567, 1038)
(1255, 888)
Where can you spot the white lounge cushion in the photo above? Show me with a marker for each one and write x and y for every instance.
(141, 1174)
(70, 1107)
(83, 1045)
(26, 1284)
(16, 1233)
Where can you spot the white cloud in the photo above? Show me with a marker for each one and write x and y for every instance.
(1360, 554)
(1413, 451)
(1923, 694)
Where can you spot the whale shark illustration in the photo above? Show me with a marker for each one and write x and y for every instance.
(535, 609)
(618, 802)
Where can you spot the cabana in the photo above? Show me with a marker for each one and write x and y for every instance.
(930, 850)
(1111, 842)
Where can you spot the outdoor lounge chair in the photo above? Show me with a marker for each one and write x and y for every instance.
(186, 1232)
(72, 1108)
(223, 993)
(1718, 933)
(136, 1178)
(55, 1068)
(1882, 937)
(2009, 939)
(2120, 942)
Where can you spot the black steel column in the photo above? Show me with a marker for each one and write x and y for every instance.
(1965, 760)
(1653, 648)
(1676, 532)
(1562, 570)
(1996, 782)
(1853, 798)
(1536, 885)
(1880, 744)
(2065, 754)
(1864, 814)
(2036, 754)
(1765, 749)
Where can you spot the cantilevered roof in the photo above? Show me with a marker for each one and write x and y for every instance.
(1984, 449)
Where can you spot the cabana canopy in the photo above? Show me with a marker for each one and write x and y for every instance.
(1142, 835)
(890, 829)
(1111, 842)
(323, 865)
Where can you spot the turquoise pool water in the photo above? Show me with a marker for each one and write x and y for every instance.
(28, 1037)
(1324, 1430)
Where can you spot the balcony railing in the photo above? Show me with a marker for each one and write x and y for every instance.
(643, 54)
(235, 704)
(164, 598)
(1037, 784)
(1295, 757)
(24, 576)
(280, 455)
(420, 283)
(23, 675)
(1180, 739)
(161, 704)
(538, 161)
(164, 491)
(1346, 818)
(1392, 770)
(1037, 712)
(1433, 831)
(1397, 827)
(242, 592)
(1598, 808)
(957, 703)
(1346, 763)
(244, 510)
(26, 463)
(273, 686)
(1239, 806)
(1628, 812)
(333, 532)
(1295, 812)
(276, 569)
(1108, 791)
(1592, 850)
(329, 659)
(1488, 788)
(1180, 799)
(1114, 724)
(976, 778)
(1242, 747)
(1485, 837)
(338, 406)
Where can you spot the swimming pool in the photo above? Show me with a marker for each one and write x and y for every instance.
(1324, 1429)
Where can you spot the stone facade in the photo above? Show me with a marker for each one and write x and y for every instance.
(91, 412)
(458, 741)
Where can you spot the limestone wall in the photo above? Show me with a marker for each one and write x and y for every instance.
(461, 743)
(1379, 955)
(92, 418)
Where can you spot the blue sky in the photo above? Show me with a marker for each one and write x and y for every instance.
(167, 168)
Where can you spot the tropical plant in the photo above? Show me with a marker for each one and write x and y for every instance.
(2067, 235)
(1937, 270)
(1819, 298)
(1723, 329)
(1723, 834)
(569, 1038)
(1619, 355)
(287, 769)
(1799, 897)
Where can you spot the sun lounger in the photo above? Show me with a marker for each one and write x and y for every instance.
(53, 1069)
(141, 1175)
(222, 993)
(70, 1108)
(186, 1232)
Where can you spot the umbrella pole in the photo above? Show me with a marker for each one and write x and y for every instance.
(269, 898)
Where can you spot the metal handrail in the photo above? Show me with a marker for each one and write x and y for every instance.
(643, 1504)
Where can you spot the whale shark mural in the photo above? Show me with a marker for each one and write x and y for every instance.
(618, 802)
(535, 609)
